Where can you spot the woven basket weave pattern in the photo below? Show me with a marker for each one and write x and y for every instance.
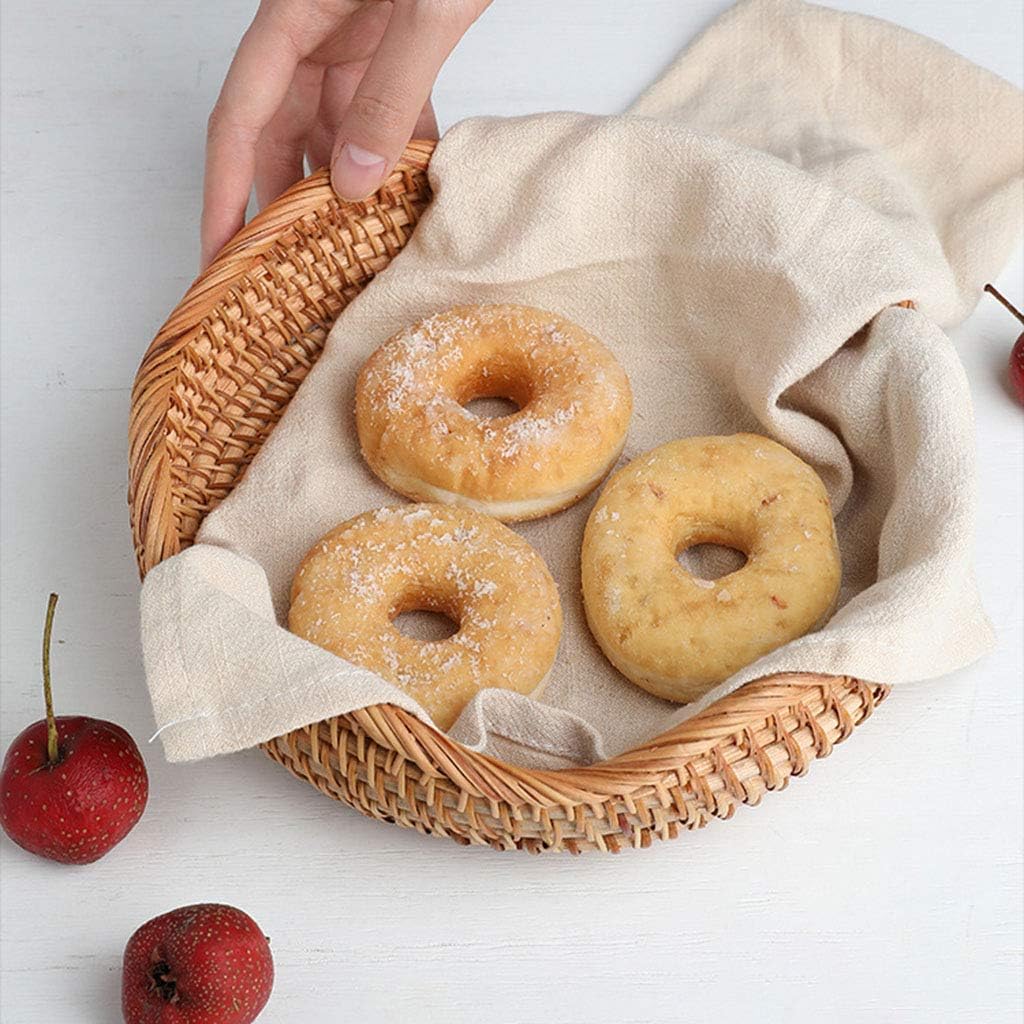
(212, 386)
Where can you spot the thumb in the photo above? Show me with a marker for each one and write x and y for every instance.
(393, 92)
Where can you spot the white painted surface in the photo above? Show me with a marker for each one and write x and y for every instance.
(887, 887)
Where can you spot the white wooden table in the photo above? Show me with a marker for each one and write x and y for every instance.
(885, 888)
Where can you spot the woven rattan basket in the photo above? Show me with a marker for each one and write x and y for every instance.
(210, 389)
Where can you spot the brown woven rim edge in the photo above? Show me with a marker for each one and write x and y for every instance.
(317, 253)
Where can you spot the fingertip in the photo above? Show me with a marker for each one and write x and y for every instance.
(207, 249)
(217, 226)
(426, 123)
(356, 173)
(205, 256)
(209, 246)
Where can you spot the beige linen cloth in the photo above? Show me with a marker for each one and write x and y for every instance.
(738, 240)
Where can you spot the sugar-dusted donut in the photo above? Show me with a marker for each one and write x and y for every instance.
(354, 582)
(671, 632)
(417, 436)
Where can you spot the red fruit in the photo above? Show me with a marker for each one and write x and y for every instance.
(71, 788)
(81, 807)
(1015, 370)
(203, 964)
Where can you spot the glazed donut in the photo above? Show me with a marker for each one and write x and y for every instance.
(678, 635)
(354, 582)
(417, 436)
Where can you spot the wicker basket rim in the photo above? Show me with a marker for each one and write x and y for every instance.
(432, 751)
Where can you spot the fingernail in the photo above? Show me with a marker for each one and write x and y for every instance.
(357, 173)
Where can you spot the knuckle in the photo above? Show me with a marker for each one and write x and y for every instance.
(283, 20)
(447, 12)
(381, 115)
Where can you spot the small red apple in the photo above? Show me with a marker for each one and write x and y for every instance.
(71, 788)
(1016, 367)
(203, 964)
(1016, 370)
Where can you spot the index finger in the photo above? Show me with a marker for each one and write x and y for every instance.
(396, 87)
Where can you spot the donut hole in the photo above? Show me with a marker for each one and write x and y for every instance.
(710, 561)
(425, 615)
(491, 407)
(425, 625)
(495, 390)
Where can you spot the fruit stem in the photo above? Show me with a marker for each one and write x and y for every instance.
(52, 754)
(1006, 302)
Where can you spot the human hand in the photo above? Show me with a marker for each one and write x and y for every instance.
(344, 82)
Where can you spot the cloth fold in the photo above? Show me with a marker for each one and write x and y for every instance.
(739, 240)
